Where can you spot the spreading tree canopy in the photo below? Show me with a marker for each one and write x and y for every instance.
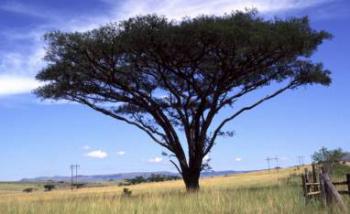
(173, 77)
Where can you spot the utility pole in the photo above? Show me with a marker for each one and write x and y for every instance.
(276, 159)
(71, 176)
(76, 175)
(74, 167)
(268, 159)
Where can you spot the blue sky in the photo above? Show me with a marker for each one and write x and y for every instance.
(43, 138)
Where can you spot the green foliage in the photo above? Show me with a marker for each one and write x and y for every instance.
(325, 155)
(79, 185)
(136, 180)
(328, 158)
(152, 178)
(126, 192)
(253, 49)
(159, 178)
(49, 187)
(28, 189)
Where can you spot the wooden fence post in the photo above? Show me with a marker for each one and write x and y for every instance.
(314, 178)
(303, 181)
(348, 182)
(306, 173)
(307, 180)
(331, 193)
(322, 190)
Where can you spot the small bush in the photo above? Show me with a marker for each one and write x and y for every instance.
(136, 180)
(152, 178)
(28, 189)
(49, 187)
(80, 185)
(126, 192)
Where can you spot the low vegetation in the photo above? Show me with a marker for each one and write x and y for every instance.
(152, 178)
(329, 159)
(49, 187)
(28, 189)
(256, 192)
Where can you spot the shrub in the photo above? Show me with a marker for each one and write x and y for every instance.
(136, 180)
(49, 187)
(80, 185)
(28, 189)
(126, 192)
(328, 158)
(152, 178)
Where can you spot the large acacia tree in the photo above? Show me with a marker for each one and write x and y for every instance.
(172, 78)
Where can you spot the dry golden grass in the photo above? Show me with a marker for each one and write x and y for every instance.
(255, 192)
(239, 180)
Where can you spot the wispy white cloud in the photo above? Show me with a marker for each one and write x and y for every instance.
(155, 160)
(121, 153)
(23, 62)
(97, 154)
(17, 70)
(12, 84)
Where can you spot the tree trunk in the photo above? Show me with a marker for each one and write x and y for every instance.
(191, 170)
(191, 179)
(192, 184)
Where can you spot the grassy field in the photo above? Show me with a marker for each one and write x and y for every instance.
(256, 192)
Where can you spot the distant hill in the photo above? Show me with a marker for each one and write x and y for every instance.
(122, 176)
